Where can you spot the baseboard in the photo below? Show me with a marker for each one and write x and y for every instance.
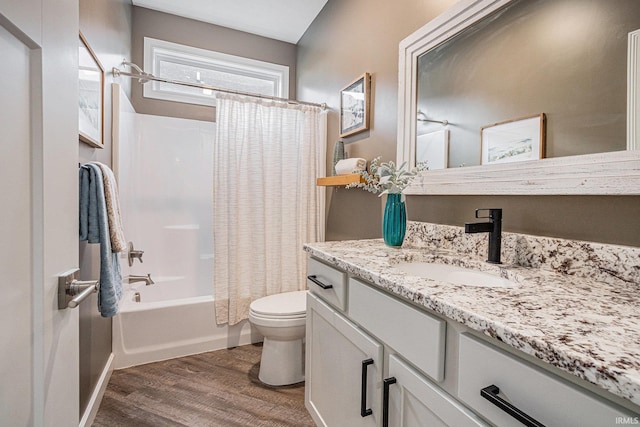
(96, 397)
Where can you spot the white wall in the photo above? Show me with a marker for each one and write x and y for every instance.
(165, 168)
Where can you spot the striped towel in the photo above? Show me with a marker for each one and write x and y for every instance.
(116, 231)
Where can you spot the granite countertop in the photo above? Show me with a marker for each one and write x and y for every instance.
(588, 328)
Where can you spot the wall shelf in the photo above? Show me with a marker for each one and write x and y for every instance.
(339, 180)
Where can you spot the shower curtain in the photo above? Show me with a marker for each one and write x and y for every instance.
(266, 204)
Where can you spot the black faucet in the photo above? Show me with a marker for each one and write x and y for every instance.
(493, 227)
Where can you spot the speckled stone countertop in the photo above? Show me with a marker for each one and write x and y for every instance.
(576, 304)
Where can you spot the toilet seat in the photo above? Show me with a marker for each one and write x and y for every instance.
(288, 305)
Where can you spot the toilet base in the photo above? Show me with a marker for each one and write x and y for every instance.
(282, 362)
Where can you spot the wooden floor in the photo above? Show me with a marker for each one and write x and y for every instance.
(220, 388)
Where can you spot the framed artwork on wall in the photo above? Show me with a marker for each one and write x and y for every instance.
(90, 96)
(354, 106)
(515, 140)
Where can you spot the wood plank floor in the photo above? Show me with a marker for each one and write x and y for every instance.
(219, 388)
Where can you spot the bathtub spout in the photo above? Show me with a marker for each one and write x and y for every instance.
(147, 279)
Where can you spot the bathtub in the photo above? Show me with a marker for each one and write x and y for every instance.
(164, 326)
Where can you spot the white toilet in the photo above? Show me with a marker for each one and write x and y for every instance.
(281, 319)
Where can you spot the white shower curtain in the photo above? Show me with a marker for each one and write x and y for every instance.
(267, 157)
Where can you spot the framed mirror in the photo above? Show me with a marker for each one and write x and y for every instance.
(615, 172)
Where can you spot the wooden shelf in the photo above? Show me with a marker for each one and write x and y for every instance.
(339, 180)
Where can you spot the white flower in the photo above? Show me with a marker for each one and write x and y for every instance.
(386, 178)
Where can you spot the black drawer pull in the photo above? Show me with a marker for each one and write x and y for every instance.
(319, 283)
(364, 411)
(491, 394)
(385, 400)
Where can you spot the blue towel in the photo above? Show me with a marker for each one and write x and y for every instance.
(94, 227)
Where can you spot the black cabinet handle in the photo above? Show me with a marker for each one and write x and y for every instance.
(491, 394)
(385, 400)
(364, 411)
(319, 283)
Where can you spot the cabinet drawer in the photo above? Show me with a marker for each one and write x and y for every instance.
(417, 335)
(541, 395)
(334, 281)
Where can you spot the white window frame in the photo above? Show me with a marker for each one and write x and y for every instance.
(156, 50)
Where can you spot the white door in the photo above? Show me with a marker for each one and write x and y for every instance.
(38, 211)
(337, 353)
(415, 401)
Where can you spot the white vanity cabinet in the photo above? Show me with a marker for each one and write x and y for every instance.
(402, 351)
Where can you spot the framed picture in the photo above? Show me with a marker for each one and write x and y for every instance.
(354, 106)
(90, 96)
(514, 140)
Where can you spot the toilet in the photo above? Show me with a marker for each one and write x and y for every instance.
(281, 319)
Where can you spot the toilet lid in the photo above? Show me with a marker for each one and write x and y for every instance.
(284, 304)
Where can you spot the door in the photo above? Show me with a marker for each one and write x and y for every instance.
(337, 353)
(414, 401)
(38, 215)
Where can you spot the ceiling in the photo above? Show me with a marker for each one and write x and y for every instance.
(285, 20)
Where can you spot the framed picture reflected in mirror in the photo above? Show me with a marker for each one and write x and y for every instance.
(515, 140)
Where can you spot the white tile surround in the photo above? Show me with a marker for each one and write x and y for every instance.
(576, 306)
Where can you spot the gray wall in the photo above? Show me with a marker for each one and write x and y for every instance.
(106, 24)
(350, 37)
(159, 25)
(345, 40)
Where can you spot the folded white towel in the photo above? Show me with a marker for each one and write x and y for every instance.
(347, 166)
(116, 231)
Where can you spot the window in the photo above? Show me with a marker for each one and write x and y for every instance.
(189, 64)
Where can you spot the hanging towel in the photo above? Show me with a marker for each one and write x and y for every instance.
(116, 231)
(94, 227)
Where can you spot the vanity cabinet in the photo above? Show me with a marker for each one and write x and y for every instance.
(368, 349)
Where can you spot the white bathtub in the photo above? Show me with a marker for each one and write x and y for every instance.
(163, 326)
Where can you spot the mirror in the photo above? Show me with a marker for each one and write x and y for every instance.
(438, 62)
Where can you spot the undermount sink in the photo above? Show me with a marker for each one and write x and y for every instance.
(454, 274)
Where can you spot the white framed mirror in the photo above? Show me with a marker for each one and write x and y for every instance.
(608, 173)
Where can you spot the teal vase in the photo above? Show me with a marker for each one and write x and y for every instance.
(394, 223)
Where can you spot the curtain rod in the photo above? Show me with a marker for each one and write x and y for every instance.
(143, 77)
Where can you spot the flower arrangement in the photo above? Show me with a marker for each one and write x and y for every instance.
(386, 178)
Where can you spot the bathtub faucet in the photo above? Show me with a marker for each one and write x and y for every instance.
(147, 279)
